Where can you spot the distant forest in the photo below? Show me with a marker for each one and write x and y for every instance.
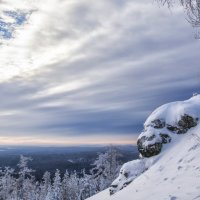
(80, 173)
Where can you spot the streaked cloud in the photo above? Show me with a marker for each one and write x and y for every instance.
(80, 70)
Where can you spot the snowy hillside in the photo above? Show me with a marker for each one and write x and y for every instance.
(174, 173)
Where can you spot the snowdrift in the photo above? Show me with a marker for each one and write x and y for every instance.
(172, 173)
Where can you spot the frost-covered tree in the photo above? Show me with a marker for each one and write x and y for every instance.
(44, 185)
(87, 188)
(65, 186)
(49, 195)
(24, 170)
(7, 183)
(74, 186)
(21, 184)
(71, 186)
(57, 192)
(113, 163)
(106, 168)
(25, 180)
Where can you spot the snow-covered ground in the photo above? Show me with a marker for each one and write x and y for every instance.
(175, 173)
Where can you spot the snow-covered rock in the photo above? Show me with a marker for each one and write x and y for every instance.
(174, 174)
(165, 121)
(129, 171)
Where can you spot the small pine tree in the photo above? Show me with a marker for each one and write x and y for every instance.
(7, 183)
(57, 192)
(44, 186)
(106, 168)
(25, 179)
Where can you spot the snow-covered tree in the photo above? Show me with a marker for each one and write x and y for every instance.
(7, 183)
(57, 192)
(106, 168)
(44, 185)
(65, 186)
(49, 195)
(25, 180)
(21, 184)
(87, 186)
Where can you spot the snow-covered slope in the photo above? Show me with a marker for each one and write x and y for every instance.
(175, 173)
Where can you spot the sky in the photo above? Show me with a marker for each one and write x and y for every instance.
(76, 72)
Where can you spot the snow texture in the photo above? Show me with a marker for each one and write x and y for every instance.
(175, 172)
(129, 171)
(171, 113)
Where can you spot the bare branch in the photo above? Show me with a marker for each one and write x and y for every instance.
(192, 8)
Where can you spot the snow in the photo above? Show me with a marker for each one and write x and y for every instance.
(71, 161)
(151, 132)
(127, 174)
(175, 172)
(130, 171)
(172, 112)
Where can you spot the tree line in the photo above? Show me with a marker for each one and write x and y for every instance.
(21, 184)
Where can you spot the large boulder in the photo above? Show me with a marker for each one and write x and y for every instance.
(183, 125)
(149, 142)
(157, 133)
(159, 129)
(164, 122)
(186, 122)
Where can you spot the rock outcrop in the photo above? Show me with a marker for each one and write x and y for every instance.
(158, 132)
(163, 123)
(129, 171)
(166, 124)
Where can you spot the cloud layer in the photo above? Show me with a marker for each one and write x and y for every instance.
(91, 72)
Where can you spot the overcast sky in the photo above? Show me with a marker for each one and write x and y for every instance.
(90, 72)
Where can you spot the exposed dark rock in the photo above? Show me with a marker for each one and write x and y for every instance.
(150, 138)
(125, 184)
(165, 138)
(187, 122)
(158, 123)
(114, 186)
(155, 134)
(184, 124)
(126, 174)
(182, 131)
(149, 150)
(111, 190)
(172, 128)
